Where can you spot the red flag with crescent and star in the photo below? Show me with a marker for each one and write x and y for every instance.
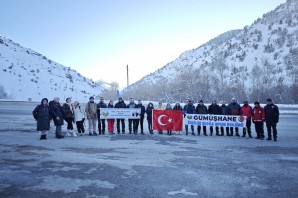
(167, 120)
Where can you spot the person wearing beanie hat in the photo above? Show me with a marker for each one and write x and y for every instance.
(201, 109)
(246, 110)
(272, 118)
(234, 110)
(91, 112)
(258, 118)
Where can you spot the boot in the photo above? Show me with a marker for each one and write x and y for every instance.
(198, 133)
(243, 135)
(59, 136)
(237, 134)
(186, 133)
(249, 135)
(74, 134)
(228, 134)
(275, 139)
(193, 133)
(211, 133)
(205, 134)
(42, 137)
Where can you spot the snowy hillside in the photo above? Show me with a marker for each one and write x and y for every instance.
(254, 63)
(28, 75)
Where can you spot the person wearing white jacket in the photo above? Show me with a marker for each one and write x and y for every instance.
(79, 118)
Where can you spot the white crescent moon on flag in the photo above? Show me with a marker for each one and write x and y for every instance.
(159, 120)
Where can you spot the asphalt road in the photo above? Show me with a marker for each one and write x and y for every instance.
(143, 165)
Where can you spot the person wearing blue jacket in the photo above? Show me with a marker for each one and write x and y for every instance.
(189, 108)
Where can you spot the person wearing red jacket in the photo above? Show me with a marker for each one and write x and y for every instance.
(246, 110)
(258, 118)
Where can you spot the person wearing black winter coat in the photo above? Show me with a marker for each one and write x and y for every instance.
(141, 120)
(41, 114)
(272, 118)
(67, 110)
(149, 109)
(224, 110)
(202, 109)
(101, 122)
(214, 109)
(57, 115)
(234, 109)
(120, 104)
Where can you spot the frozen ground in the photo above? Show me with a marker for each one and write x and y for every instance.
(143, 166)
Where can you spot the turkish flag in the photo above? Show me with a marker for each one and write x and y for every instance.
(167, 120)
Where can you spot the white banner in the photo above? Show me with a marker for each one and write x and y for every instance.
(113, 113)
(215, 120)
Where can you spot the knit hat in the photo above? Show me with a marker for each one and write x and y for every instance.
(269, 100)
(91, 97)
(257, 103)
(201, 101)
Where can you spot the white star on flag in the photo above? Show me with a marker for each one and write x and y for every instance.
(170, 120)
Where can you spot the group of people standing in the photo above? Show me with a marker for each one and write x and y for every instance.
(73, 113)
(258, 115)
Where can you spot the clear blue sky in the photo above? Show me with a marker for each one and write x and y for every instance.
(98, 38)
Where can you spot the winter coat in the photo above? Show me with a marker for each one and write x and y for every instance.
(258, 114)
(142, 109)
(177, 107)
(56, 111)
(246, 111)
(224, 110)
(100, 105)
(214, 109)
(189, 109)
(149, 111)
(271, 113)
(201, 109)
(41, 114)
(168, 107)
(67, 110)
(235, 108)
(110, 106)
(131, 105)
(91, 110)
(79, 113)
(120, 105)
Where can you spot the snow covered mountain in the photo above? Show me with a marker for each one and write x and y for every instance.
(28, 75)
(254, 63)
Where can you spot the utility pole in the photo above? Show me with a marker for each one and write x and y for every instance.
(127, 75)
